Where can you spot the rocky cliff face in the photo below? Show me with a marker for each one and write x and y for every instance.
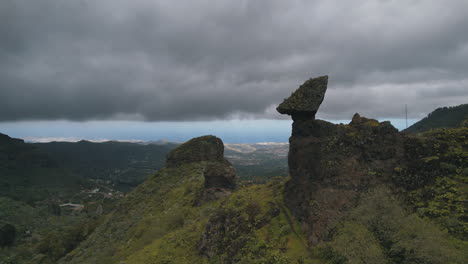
(220, 175)
(331, 165)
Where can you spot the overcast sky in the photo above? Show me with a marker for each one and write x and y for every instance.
(192, 60)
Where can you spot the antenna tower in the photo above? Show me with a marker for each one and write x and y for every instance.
(406, 115)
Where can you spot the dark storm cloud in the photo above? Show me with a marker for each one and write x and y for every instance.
(190, 60)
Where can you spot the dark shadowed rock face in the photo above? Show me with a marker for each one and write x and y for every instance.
(214, 169)
(220, 175)
(306, 100)
(331, 165)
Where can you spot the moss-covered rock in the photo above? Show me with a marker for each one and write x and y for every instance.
(306, 100)
(220, 175)
(330, 165)
(205, 148)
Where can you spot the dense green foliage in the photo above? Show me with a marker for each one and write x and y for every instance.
(124, 164)
(39, 233)
(444, 200)
(58, 243)
(445, 117)
(437, 177)
(159, 222)
(380, 230)
(32, 185)
(30, 175)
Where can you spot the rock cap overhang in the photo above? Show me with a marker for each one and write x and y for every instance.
(306, 100)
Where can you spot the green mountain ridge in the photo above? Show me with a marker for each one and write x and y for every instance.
(444, 117)
(124, 164)
(29, 175)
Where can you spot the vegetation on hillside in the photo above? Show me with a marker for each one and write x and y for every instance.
(381, 230)
(162, 222)
(444, 117)
(437, 178)
(124, 164)
(30, 175)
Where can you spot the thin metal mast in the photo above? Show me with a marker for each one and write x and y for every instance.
(406, 115)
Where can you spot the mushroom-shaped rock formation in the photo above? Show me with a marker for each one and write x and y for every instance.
(220, 175)
(331, 164)
(305, 101)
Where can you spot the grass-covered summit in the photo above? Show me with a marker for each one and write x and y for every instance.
(444, 117)
(205, 148)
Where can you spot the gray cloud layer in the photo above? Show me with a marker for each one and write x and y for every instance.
(191, 60)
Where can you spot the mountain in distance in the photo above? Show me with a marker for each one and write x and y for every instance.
(39, 198)
(124, 164)
(127, 164)
(444, 117)
(29, 174)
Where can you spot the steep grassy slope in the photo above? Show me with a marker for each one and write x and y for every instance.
(381, 230)
(163, 221)
(34, 228)
(445, 117)
(158, 223)
(40, 235)
(434, 177)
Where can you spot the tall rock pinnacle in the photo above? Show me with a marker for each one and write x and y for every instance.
(305, 101)
(330, 165)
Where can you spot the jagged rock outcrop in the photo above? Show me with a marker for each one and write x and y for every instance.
(331, 165)
(220, 175)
